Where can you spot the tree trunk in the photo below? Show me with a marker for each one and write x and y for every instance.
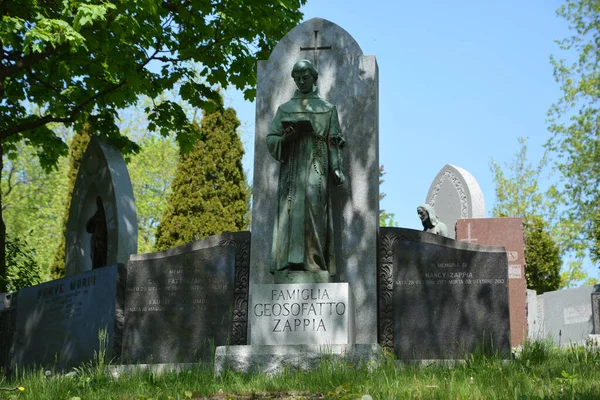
(3, 281)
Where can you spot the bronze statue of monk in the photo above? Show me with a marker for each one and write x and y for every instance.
(305, 138)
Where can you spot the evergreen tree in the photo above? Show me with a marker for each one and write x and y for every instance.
(209, 194)
(77, 147)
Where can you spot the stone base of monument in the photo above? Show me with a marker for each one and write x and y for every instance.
(276, 359)
(297, 326)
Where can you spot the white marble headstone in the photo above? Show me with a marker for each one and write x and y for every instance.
(350, 80)
(102, 173)
(455, 194)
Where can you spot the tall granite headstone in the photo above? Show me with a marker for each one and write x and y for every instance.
(59, 322)
(184, 301)
(348, 79)
(102, 187)
(454, 194)
(507, 232)
(440, 298)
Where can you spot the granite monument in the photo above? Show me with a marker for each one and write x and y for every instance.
(440, 298)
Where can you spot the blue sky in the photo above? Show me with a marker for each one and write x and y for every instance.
(459, 83)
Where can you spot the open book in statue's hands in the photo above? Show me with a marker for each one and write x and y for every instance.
(294, 128)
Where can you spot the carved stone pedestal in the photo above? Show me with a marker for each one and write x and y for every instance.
(301, 313)
(297, 326)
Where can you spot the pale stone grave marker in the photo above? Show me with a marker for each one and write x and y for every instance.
(568, 315)
(596, 310)
(535, 316)
(349, 80)
(454, 194)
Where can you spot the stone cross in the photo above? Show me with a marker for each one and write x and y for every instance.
(469, 239)
(315, 48)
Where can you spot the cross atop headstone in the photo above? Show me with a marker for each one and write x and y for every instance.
(315, 48)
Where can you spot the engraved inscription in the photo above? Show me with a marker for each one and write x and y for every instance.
(64, 300)
(170, 285)
(299, 309)
(514, 271)
(577, 314)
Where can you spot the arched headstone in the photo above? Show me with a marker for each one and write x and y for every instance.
(455, 194)
(102, 187)
(350, 80)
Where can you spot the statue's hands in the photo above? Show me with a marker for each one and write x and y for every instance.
(338, 176)
(289, 133)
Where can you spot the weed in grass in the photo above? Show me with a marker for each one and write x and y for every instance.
(535, 352)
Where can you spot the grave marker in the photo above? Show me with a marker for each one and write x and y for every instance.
(58, 322)
(103, 175)
(183, 301)
(454, 194)
(507, 232)
(596, 310)
(568, 315)
(441, 299)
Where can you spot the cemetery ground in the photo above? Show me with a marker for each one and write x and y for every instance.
(539, 370)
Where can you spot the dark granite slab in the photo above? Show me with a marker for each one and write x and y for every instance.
(179, 305)
(441, 299)
(58, 322)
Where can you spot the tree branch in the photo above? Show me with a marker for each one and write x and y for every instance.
(11, 173)
(26, 62)
(30, 125)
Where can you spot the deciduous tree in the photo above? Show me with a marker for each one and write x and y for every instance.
(518, 194)
(385, 218)
(151, 172)
(80, 62)
(33, 203)
(574, 121)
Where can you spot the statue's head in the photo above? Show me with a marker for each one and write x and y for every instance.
(426, 212)
(305, 75)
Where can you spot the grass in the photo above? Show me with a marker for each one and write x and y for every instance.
(539, 371)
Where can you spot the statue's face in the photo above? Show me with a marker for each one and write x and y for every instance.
(422, 214)
(304, 81)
